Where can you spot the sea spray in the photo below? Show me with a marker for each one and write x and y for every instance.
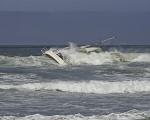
(73, 56)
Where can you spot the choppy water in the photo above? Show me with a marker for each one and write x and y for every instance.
(95, 86)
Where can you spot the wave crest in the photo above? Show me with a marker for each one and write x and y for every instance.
(98, 87)
(130, 115)
(74, 56)
(25, 61)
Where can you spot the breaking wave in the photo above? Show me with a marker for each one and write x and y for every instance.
(25, 61)
(97, 56)
(98, 87)
(75, 56)
(75, 59)
(130, 115)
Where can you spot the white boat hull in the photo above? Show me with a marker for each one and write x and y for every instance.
(54, 56)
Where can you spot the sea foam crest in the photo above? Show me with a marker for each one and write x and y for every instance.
(142, 58)
(25, 61)
(99, 87)
(130, 115)
(73, 55)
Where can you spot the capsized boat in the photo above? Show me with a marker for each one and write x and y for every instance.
(59, 57)
(89, 49)
(54, 55)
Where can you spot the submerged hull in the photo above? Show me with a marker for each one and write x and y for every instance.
(54, 56)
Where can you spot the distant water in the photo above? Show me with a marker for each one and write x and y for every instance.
(110, 85)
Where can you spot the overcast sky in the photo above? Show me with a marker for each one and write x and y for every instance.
(53, 25)
(71, 5)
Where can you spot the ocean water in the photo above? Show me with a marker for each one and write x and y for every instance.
(110, 85)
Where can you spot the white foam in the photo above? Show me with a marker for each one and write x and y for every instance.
(76, 58)
(130, 115)
(142, 58)
(99, 87)
(25, 61)
(73, 56)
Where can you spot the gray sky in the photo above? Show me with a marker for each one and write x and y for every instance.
(128, 20)
(71, 5)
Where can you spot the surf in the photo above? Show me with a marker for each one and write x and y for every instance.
(97, 87)
(129, 115)
(88, 54)
(77, 55)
